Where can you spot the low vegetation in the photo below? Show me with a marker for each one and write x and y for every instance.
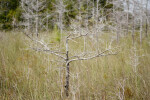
(26, 74)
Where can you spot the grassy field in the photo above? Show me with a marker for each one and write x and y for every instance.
(26, 74)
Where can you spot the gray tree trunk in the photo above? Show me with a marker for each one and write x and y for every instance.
(141, 22)
(37, 21)
(67, 70)
(133, 25)
(127, 17)
(146, 30)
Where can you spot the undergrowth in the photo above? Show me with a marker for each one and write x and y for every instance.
(29, 75)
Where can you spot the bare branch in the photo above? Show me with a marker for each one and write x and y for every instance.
(57, 53)
(81, 35)
(95, 56)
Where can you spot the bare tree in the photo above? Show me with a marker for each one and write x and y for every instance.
(65, 56)
(133, 24)
(134, 59)
(118, 19)
(31, 14)
(60, 10)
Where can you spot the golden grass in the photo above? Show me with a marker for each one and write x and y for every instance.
(30, 75)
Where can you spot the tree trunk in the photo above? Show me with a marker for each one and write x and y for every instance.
(127, 18)
(133, 30)
(37, 33)
(118, 31)
(37, 20)
(133, 25)
(60, 20)
(146, 30)
(47, 21)
(67, 70)
(141, 22)
(141, 29)
(97, 12)
(67, 79)
(93, 11)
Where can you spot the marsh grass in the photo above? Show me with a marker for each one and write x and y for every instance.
(29, 75)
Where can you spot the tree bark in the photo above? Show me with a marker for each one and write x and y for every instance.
(133, 25)
(133, 30)
(67, 70)
(67, 79)
(146, 30)
(127, 17)
(37, 20)
(141, 29)
(141, 22)
(118, 31)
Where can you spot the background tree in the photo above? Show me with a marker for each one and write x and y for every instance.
(33, 13)
(146, 30)
(9, 12)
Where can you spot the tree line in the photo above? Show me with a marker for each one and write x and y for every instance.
(39, 15)
(11, 11)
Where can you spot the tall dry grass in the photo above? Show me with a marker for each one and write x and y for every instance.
(29, 75)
